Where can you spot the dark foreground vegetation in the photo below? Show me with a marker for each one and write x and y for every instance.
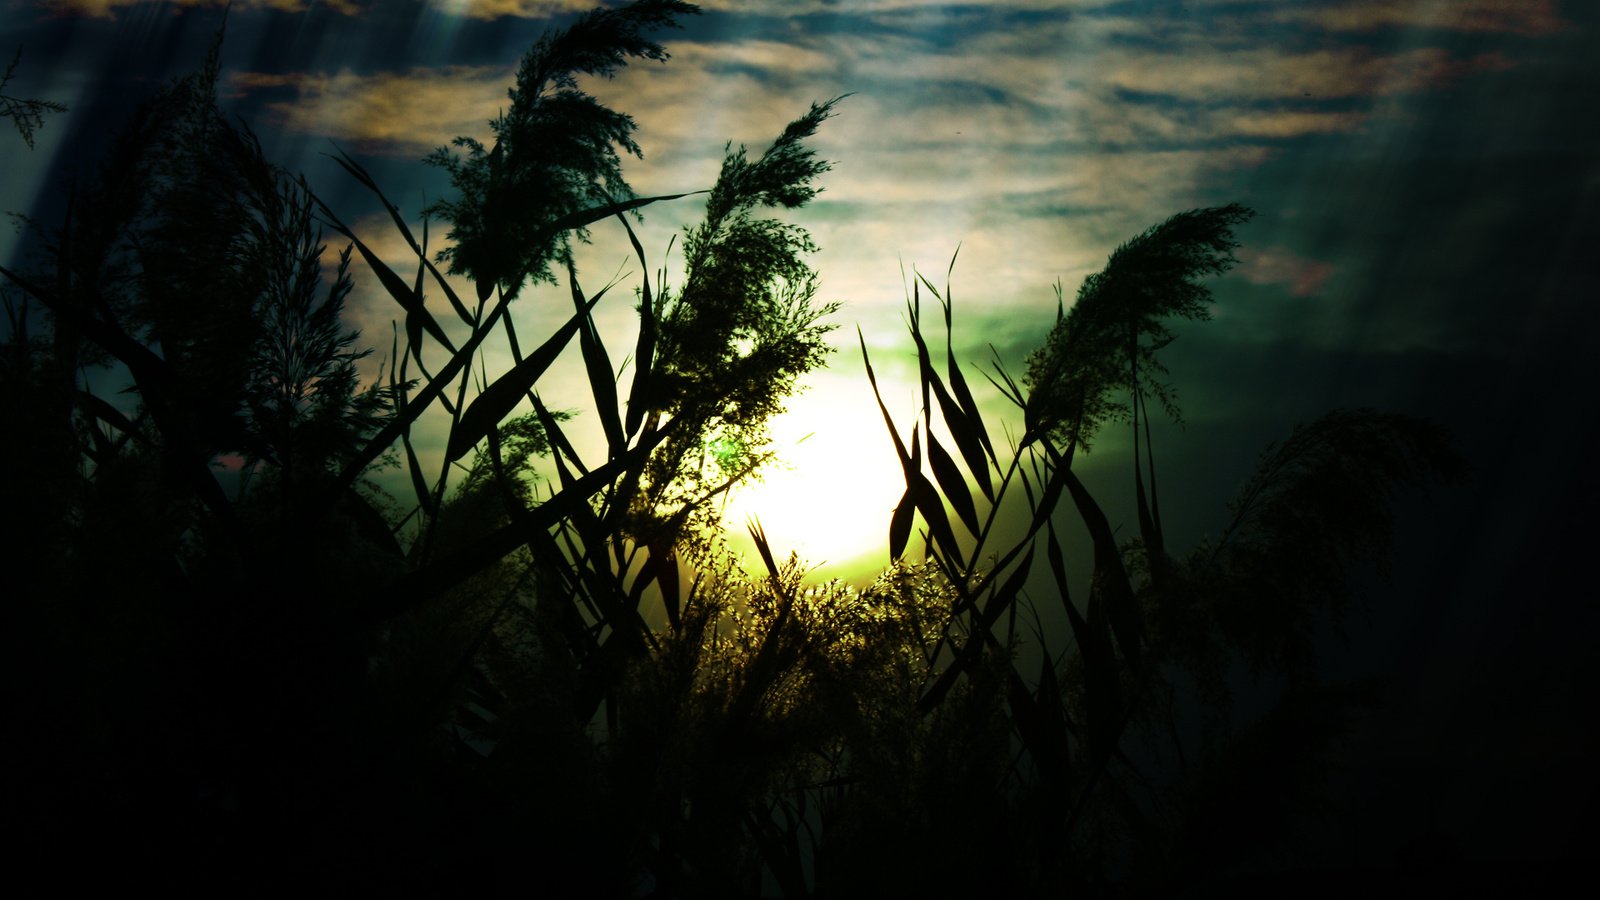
(293, 678)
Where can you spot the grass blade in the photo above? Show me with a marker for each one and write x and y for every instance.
(969, 438)
(1110, 581)
(900, 526)
(952, 484)
(585, 217)
(644, 353)
(602, 380)
(417, 315)
(963, 394)
(418, 482)
(414, 588)
(559, 445)
(499, 398)
(97, 406)
(360, 174)
(872, 379)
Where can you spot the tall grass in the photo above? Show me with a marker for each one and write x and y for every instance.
(313, 677)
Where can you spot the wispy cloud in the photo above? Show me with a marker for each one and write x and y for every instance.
(807, 7)
(1523, 17)
(1264, 74)
(1278, 266)
(1035, 147)
(399, 113)
(107, 9)
(490, 10)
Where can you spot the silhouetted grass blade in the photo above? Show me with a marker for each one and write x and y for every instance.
(931, 505)
(872, 378)
(100, 409)
(972, 418)
(1102, 683)
(602, 380)
(1006, 596)
(969, 655)
(417, 315)
(418, 482)
(1055, 726)
(503, 395)
(585, 217)
(1010, 391)
(666, 575)
(413, 588)
(764, 667)
(1110, 578)
(900, 525)
(952, 483)
(360, 174)
(559, 445)
(645, 349)
(1058, 568)
(927, 498)
(968, 438)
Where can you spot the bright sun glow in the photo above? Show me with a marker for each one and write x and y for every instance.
(833, 488)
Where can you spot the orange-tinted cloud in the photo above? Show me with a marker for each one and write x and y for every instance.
(404, 113)
(1524, 17)
(107, 9)
(1263, 74)
(489, 10)
(1304, 277)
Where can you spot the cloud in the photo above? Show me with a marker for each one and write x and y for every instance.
(1277, 266)
(489, 10)
(1283, 124)
(1264, 74)
(401, 113)
(1036, 149)
(772, 58)
(809, 7)
(107, 9)
(1521, 17)
(1035, 168)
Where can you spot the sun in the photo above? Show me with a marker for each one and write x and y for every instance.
(830, 492)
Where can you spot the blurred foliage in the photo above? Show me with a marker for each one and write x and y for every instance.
(28, 115)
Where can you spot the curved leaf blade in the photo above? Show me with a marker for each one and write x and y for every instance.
(497, 401)
(953, 484)
(900, 526)
(602, 381)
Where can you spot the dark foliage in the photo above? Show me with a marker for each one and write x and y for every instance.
(1116, 325)
(555, 150)
(742, 329)
(509, 681)
(28, 115)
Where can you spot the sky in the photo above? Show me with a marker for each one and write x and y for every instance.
(1425, 175)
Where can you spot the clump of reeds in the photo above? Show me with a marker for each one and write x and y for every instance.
(575, 668)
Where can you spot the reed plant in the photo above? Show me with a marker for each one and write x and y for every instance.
(1079, 810)
(505, 680)
(27, 114)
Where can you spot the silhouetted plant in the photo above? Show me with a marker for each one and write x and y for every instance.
(554, 153)
(1098, 349)
(731, 343)
(573, 674)
(190, 270)
(27, 115)
(1316, 507)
